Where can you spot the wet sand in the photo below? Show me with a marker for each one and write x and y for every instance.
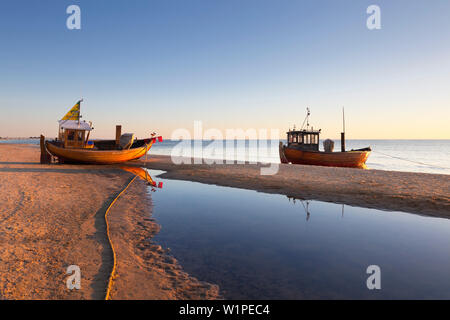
(421, 193)
(145, 270)
(52, 216)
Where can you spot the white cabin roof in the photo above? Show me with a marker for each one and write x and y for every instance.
(74, 125)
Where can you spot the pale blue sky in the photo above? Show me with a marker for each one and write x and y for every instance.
(160, 65)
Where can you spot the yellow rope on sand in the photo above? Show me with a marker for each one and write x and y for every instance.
(111, 276)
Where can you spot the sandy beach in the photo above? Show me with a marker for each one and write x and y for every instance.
(52, 216)
(421, 193)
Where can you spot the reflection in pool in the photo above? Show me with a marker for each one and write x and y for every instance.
(264, 246)
(143, 174)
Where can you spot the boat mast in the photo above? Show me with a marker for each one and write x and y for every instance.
(343, 132)
(308, 113)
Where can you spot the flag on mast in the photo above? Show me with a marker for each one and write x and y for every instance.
(74, 113)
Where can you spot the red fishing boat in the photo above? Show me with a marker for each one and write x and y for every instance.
(303, 148)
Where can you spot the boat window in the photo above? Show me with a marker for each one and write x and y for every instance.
(71, 135)
(80, 135)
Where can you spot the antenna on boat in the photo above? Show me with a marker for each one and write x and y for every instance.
(308, 113)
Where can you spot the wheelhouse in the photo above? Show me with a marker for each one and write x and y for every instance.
(307, 140)
(72, 134)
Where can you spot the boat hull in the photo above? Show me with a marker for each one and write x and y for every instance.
(349, 159)
(91, 156)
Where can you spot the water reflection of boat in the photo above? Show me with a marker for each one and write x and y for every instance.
(303, 148)
(143, 174)
(73, 144)
(305, 204)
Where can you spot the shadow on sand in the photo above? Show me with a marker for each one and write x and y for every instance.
(32, 163)
(100, 282)
(58, 170)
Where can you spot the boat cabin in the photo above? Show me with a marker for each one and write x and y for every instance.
(307, 140)
(72, 134)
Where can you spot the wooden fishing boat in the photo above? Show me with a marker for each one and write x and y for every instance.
(95, 156)
(74, 146)
(351, 159)
(303, 148)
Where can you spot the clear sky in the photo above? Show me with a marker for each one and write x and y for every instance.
(160, 65)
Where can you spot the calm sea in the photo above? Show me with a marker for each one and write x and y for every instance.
(431, 156)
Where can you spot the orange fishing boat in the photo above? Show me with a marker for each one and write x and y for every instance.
(73, 144)
(303, 148)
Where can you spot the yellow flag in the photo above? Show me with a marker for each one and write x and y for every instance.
(74, 113)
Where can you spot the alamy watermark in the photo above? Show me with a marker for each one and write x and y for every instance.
(226, 148)
(73, 21)
(374, 280)
(374, 20)
(74, 280)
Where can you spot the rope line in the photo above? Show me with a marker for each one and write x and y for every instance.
(418, 162)
(113, 271)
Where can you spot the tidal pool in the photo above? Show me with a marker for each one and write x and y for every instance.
(265, 246)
